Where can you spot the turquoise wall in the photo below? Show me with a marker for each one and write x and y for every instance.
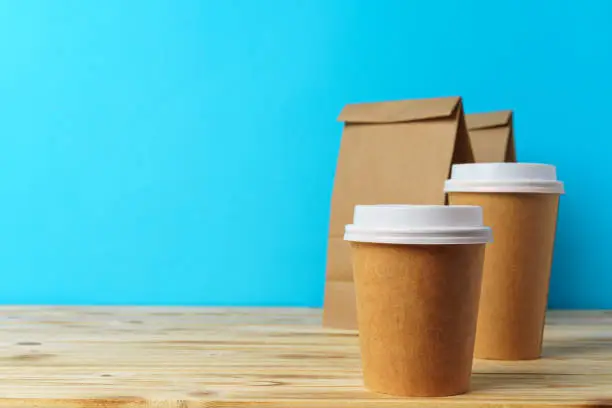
(182, 152)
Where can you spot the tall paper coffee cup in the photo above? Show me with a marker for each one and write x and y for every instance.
(520, 203)
(417, 273)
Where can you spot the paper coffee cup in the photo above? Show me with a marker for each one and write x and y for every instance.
(417, 273)
(520, 203)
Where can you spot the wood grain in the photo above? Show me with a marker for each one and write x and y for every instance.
(69, 357)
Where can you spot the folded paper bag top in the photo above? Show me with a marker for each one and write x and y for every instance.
(491, 136)
(504, 178)
(418, 225)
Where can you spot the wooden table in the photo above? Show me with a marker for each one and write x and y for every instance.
(204, 357)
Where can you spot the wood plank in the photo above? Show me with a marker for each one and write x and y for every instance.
(68, 357)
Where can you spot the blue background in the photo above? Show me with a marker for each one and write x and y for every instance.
(182, 152)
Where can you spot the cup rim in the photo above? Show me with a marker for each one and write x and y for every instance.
(418, 224)
(504, 178)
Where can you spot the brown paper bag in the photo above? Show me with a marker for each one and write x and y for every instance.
(491, 136)
(391, 153)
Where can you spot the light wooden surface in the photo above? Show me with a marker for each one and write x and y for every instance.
(201, 357)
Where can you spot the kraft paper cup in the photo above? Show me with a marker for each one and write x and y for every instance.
(520, 203)
(417, 273)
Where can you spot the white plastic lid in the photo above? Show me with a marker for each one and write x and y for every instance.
(418, 224)
(504, 178)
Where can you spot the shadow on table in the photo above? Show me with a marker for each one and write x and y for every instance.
(552, 376)
(541, 386)
(599, 404)
(581, 348)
